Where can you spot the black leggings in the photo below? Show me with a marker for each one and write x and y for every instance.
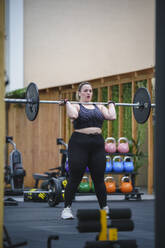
(86, 150)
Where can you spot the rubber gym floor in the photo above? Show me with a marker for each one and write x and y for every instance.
(34, 222)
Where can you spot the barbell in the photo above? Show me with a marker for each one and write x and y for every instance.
(141, 103)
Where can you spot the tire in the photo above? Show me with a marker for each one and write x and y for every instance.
(44, 185)
(54, 195)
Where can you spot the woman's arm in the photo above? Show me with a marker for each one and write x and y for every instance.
(72, 110)
(110, 112)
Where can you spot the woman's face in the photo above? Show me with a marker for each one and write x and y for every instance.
(86, 93)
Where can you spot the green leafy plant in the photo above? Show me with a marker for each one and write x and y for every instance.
(136, 148)
(19, 94)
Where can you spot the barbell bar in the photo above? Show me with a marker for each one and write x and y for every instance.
(141, 103)
(22, 101)
(72, 102)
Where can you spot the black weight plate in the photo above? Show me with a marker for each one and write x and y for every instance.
(55, 190)
(142, 113)
(32, 107)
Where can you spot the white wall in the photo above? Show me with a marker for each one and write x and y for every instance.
(68, 41)
(14, 44)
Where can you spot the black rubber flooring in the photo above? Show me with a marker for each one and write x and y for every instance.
(34, 222)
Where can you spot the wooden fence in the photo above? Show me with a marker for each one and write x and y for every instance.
(37, 140)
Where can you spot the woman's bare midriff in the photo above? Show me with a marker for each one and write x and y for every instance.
(89, 130)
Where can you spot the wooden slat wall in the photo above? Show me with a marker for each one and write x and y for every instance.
(37, 140)
(120, 131)
(134, 123)
(109, 122)
(133, 77)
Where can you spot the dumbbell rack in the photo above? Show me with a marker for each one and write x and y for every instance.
(135, 194)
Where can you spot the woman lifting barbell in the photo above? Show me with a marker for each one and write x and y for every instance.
(86, 146)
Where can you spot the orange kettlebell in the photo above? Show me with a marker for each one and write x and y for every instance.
(126, 185)
(123, 146)
(110, 184)
(110, 145)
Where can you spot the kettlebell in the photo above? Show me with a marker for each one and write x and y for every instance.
(84, 186)
(110, 145)
(118, 164)
(123, 146)
(126, 185)
(110, 184)
(108, 164)
(128, 164)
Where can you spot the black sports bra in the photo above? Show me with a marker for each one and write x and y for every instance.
(89, 118)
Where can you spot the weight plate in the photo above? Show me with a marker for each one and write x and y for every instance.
(142, 113)
(32, 106)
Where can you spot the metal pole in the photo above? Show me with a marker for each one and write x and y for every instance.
(159, 138)
(106, 103)
(72, 102)
(16, 100)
